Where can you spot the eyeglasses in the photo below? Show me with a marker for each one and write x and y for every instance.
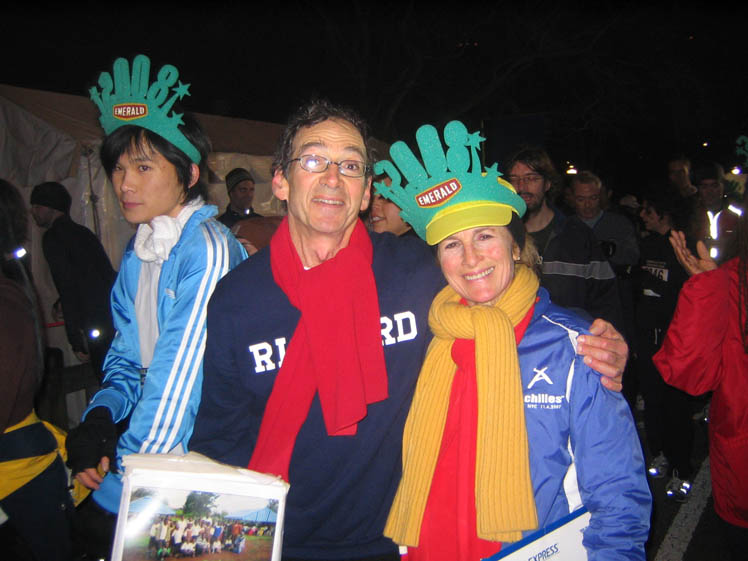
(318, 164)
(528, 179)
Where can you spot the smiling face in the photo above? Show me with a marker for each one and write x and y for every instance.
(324, 204)
(147, 185)
(478, 263)
(385, 216)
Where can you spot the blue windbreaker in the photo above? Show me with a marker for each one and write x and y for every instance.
(584, 449)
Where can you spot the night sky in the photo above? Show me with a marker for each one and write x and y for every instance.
(615, 89)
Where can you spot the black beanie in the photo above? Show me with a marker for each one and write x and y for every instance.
(236, 176)
(53, 195)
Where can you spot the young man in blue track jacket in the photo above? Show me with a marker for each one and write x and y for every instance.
(153, 371)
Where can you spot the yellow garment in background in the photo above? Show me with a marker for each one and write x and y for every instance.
(14, 474)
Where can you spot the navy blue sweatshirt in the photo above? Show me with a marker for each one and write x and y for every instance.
(342, 486)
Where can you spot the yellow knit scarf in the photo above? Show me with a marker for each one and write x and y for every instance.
(505, 502)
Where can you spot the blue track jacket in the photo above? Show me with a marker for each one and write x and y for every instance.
(162, 402)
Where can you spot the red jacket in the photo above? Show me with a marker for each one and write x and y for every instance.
(703, 351)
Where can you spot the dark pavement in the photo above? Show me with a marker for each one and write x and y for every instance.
(687, 531)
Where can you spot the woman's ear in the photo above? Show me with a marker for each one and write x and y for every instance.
(516, 252)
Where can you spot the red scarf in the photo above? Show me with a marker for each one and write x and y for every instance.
(336, 349)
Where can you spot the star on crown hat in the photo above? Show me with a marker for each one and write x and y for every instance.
(130, 99)
(452, 192)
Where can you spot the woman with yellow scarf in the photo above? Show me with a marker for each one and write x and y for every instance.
(509, 431)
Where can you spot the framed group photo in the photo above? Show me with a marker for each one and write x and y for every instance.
(189, 507)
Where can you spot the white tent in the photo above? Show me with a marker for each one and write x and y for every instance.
(263, 515)
(151, 505)
(48, 136)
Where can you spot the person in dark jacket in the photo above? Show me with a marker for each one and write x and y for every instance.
(657, 282)
(574, 269)
(82, 273)
(241, 189)
(34, 497)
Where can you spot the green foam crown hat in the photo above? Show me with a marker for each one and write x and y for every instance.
(448, 192)
(130, 99)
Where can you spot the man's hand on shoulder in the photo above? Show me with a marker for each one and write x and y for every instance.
(605, 351)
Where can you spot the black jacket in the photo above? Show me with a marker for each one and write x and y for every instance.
(83, 277)
(231, 217)
(576, 273)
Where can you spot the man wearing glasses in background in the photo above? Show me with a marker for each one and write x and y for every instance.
(574, 269)
(315, 343)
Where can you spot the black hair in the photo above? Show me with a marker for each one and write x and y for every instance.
(679, 157)
(314, 112)
(708, 170)
(132, 139)
(665, 199)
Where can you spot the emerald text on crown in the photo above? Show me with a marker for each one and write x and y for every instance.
(129, 111)
(439, 194)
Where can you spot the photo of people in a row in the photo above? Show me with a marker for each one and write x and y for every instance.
(203, 526)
